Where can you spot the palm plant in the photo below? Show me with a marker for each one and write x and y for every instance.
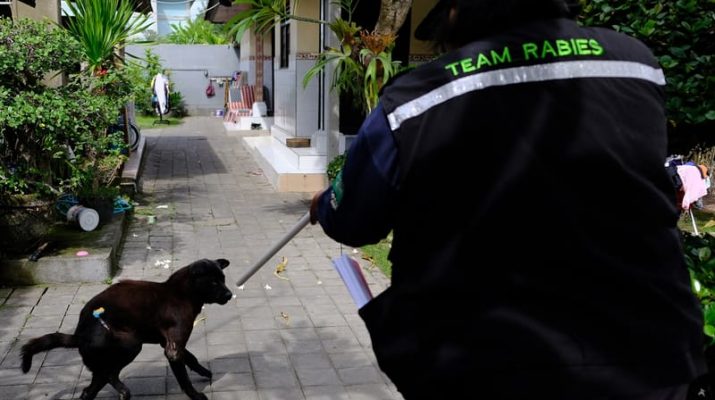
(103, 27)
(363, 61)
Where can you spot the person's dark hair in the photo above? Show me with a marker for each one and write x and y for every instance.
(478, 18)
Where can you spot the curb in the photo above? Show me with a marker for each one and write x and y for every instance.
(66, 267)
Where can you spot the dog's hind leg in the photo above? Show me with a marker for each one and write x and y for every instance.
(98, 382)
(193, 363)
(183, 378)
(120, 387)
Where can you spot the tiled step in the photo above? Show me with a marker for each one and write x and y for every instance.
(289, 169)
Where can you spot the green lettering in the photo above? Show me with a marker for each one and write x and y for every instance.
(467, 65)
(596, 47)
(504, 58)
(583, 47)
(548, 48)
(574, 47)
(453, 67)
(530, 49)
(482, 59)
(564, 48)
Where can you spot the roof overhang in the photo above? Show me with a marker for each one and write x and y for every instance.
(221, 11)
(141, 6)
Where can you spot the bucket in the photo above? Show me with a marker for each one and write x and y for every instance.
(87, 218)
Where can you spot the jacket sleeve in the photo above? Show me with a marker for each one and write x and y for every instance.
(357, 208)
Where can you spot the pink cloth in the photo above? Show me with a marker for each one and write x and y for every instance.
(694, 186)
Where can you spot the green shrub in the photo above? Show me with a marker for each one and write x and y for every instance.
(198, 31)
(700, 259)
(142, 73)
(50, 136)
(177, 105)
(681, 33)
(30, 50)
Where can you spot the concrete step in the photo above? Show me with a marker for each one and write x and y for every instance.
(64, 263)
(289, 169)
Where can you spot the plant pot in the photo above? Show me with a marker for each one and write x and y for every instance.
(24, 220)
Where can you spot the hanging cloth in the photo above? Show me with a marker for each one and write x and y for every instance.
(160, 86)
(694, 186)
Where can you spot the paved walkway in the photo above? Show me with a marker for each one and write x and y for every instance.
(288, 339)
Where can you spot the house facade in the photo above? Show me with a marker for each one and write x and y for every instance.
(33, 9)
(311, 125)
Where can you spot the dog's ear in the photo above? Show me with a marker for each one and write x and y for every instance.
(223, 263)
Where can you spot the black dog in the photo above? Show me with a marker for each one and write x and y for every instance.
(114, 324)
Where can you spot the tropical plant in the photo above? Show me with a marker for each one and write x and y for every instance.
(363, 62)
(177, 104)
(700, 259)
(141, 72)
(681, 33)
(198, 31)
(103, 28)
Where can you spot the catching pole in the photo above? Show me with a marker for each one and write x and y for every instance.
(273, 250)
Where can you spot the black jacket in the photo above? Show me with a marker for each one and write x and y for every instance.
(535, 245)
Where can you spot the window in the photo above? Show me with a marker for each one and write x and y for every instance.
(285, 38)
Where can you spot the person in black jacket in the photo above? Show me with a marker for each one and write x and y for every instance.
(535, 251)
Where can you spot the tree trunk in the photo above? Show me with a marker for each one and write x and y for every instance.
(392, 15)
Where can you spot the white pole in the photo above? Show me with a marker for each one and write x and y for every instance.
(692, 219)
(273, 250)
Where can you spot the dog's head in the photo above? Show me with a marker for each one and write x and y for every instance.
(207, 281)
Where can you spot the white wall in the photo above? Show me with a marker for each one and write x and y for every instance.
(188, 65)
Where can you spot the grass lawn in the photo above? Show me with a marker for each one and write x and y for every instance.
(147, 122)
(704, 220)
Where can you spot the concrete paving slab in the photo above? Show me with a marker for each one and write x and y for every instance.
(299, 339)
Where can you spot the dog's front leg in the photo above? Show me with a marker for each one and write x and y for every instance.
(175, 339)
(183, 378)
(193, 363)
(175, 351)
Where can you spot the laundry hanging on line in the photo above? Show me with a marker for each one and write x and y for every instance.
(691, 180)
(160, 99)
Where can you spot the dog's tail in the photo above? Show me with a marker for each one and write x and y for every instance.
(45, 343)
